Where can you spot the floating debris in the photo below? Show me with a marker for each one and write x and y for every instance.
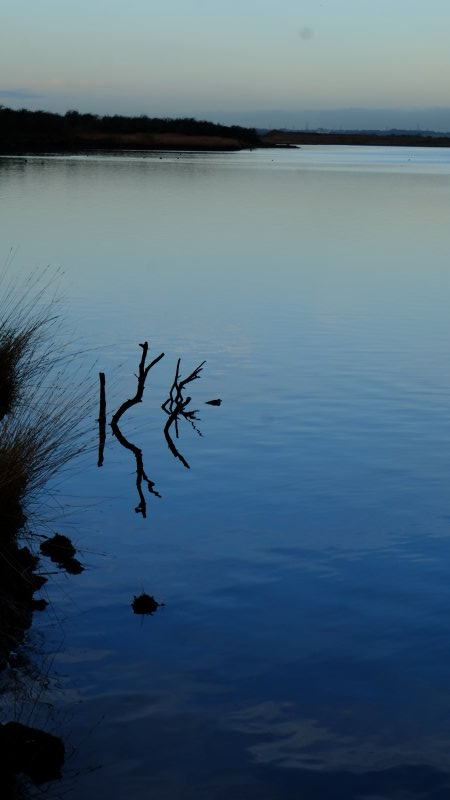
(217, 402)
(145, 604)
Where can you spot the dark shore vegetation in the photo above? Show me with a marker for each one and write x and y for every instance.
(41, 429)
(26, 131)
(41, 419)
(26, 318)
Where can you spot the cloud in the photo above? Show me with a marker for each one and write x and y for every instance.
(18, 94)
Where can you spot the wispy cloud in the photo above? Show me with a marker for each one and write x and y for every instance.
(18, 94)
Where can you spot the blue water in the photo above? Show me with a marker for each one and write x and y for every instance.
(303, 650)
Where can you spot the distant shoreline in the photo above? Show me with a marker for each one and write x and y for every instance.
(24, 132)
(90, 144)
(192, 143)
(365, 138)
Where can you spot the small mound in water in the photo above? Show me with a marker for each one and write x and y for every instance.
(59, 547)
(31, 751)
(145, 604)
(61, 551)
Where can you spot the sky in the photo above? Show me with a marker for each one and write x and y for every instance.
(205, 58)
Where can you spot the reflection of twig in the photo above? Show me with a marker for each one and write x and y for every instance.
(101, 420)
(141, 476)
(141, 508)
(175, 407)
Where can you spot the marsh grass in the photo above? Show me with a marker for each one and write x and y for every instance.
(46, 406)
(28, 317)
(43, 397)
(37, 441)
(48, 402)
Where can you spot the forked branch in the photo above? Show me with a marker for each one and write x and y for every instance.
(141, 378)
(175, 407)
(141, 475)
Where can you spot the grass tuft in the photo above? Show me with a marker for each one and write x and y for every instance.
(45, 414)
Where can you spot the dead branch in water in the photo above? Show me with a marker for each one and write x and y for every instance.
(101, 420)
(175, 407)
(141, 475)
(141, 378)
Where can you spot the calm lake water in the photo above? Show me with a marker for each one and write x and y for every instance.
(303, 650)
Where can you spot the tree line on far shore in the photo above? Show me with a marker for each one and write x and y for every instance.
(23, 128)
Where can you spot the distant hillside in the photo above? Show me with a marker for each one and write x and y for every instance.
(26, 131)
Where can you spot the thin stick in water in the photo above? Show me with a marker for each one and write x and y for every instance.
(101, 420)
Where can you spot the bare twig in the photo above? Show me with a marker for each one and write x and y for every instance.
(101, 420)
(175, 407)
(141, 475)
(141, 378)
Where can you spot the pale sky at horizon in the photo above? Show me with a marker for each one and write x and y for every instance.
(183, 56)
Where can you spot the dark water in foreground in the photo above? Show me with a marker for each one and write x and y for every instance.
(303, 650)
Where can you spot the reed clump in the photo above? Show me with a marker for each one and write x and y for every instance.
(12, 350)
(42, 428)
(28, 315)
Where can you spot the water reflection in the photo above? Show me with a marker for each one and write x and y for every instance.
(335, 359)
(175, 407)
(30, 756)
(141, 475)
(30, 753)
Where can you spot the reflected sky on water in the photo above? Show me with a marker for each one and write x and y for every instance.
(304, 557)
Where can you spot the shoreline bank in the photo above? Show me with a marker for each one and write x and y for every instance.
(275, 140)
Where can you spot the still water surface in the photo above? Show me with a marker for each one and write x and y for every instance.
(303, 650)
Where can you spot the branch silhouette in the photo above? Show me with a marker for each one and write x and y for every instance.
(175, 407)
(101, 420)
(141, 378)
(141, 475)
